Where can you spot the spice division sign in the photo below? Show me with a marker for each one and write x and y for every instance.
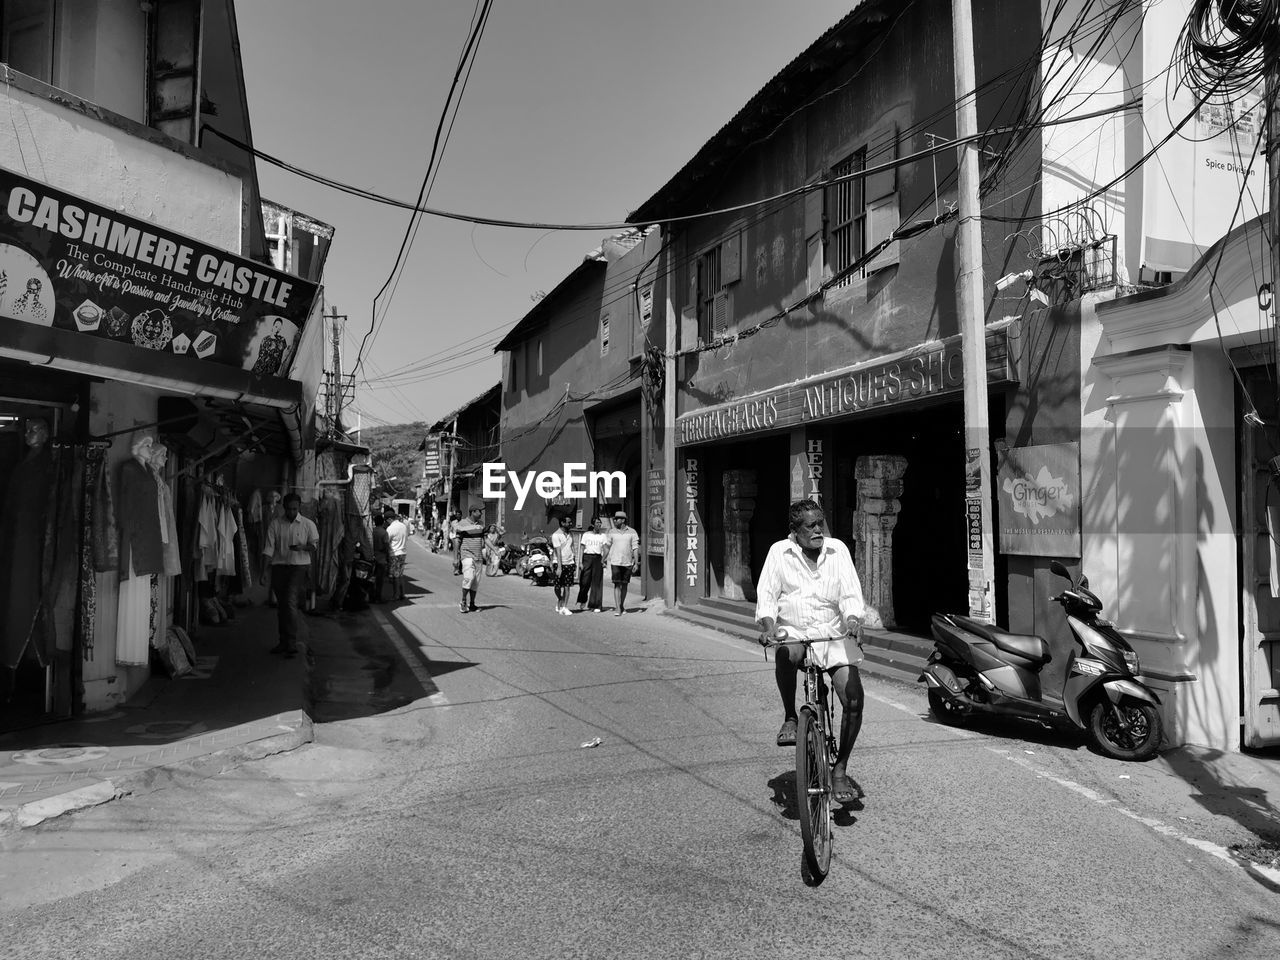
(1039, 490)
(71, 264)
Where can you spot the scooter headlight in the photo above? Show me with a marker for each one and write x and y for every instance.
(1131, 661)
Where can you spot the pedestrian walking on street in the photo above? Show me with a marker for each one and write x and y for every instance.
(493, 550)
(563, 564)
(810, 587)
(381, 556)
(398, 537)
(291, 541)
(623, 557)
(591, 579)
(468, 555)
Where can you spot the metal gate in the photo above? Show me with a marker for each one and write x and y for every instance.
(1260, 571)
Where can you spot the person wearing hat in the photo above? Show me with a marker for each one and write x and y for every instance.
(622, 553)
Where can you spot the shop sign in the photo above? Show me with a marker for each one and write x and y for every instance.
(693, 524)
(914, 374)
(1039, 491)
(74, 265)
(431, 465)
(656, 492)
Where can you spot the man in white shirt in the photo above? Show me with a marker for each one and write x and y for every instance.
(563, 563)
(291, 541)
(398, 535)
(623, 557)
(810, 587)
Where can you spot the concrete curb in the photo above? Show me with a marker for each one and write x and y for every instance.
(157, 777)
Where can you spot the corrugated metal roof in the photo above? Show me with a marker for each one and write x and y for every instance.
(443, 423)
(790, 87)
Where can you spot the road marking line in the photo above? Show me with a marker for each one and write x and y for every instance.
(1157, 826)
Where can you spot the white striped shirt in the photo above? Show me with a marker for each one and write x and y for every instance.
(809, 599)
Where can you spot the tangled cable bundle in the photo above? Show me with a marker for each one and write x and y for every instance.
(1227, 46)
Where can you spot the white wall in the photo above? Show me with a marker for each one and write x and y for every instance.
(98, 161)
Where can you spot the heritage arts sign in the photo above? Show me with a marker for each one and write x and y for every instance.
(73, 265)
(916, 374)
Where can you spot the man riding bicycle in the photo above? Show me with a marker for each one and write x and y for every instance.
(809, 589)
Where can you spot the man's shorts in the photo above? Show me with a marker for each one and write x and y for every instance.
(568, 574)
(839, 652)
(621, 572)
(396, 567)
(470, 573)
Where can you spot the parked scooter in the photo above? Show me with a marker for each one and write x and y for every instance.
(979, 669)
(511, 558)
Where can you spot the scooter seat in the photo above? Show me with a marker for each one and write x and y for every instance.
(1025, 645)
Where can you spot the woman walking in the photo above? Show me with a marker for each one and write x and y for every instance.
(591, 581)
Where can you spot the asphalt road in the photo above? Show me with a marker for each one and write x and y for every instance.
(475, 824)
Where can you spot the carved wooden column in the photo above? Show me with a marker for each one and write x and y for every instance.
(879, 486)
(739, 507)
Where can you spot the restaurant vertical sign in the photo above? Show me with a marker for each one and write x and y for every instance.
(73, 265)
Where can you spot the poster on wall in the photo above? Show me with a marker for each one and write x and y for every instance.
(1039, 492)
(71, 264)
(655, 542)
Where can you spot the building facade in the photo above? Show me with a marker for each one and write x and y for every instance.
(150, 352)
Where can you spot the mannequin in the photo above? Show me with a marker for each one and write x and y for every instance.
(22, 519)
(168, 522)
(141, 552)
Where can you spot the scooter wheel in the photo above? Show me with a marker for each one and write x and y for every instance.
(944, 708)
(1139, 742)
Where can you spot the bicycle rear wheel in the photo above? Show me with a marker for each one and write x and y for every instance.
(813, 792)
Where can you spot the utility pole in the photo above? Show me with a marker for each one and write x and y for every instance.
(1273, 198)
(333, 403)
(671, 553)
(977, 476)
(453, 459)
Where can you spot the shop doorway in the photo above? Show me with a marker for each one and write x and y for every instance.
(734, 568)
(35, 675)
(929, 539)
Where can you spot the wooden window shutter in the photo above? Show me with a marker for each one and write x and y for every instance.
(689, 326)
(722, 314)
(604, 334)
(883, 217)
(731, 259)
(814, 209)
(883, 148)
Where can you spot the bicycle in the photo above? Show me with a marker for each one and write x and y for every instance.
(816, 750)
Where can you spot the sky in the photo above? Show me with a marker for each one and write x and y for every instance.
(576, 111)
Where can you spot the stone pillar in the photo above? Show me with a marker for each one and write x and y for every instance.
(879, 486)
(739, 506)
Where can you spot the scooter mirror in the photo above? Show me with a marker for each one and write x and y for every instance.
(1057, 567)
(1084, 581)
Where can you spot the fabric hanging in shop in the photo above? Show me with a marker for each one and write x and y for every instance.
(226, 539)
(141, 549)
(95, 498)
(168, 526)
(133, 621)
(100, 515)
(326, 558)
(59, 578)
(244, 565)
(22, 523)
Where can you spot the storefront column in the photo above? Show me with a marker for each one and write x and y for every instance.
(739, 507)
(879, 486)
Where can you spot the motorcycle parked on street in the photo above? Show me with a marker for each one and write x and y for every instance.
(977, 669)
(536, 565)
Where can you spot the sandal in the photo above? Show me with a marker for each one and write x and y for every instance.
(844, 789)
(787, 735)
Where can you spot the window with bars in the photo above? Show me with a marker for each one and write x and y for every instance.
(846, 215)
(709, 287)
(604, 335)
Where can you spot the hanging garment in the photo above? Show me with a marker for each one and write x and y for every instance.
(141, 549)
(90, 543)
(101, 515)
(22, 531)
(329, 521)
(168, 526)
(207, 540)
(244, 558)
(61, 553)
(226, 540)
(133, 622)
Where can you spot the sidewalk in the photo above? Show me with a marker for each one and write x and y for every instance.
(241, 703)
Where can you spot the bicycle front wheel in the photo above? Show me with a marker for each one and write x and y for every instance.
(813, 791)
